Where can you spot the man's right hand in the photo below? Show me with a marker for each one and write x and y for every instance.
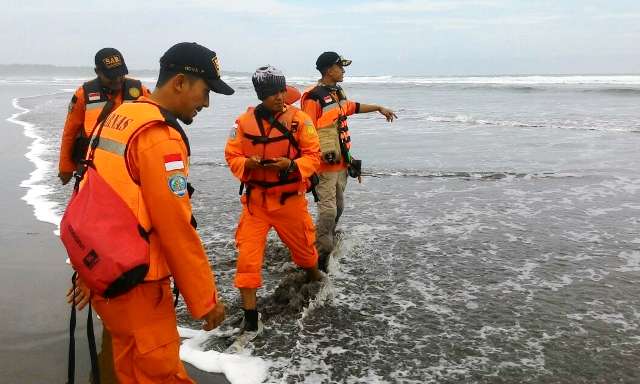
(65, 177)
(214, 317)
(80, 297)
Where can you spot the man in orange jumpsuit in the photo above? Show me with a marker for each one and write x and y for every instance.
(93, 101)
(90, 103)
(143, 152)
(328, 107)
(273, 149)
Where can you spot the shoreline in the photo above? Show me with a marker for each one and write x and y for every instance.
(43, 209)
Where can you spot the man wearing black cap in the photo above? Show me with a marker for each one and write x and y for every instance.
(91, 103)
(328, 107)
(273, 150)
(142, 152)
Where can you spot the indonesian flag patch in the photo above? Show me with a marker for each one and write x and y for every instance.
(94, 96)
(328, 99)
(173, 162)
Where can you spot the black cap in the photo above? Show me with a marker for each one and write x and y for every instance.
(196, 60)
(110, 62)
(327, 59)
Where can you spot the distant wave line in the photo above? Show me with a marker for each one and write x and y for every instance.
(470, 120)
(475, 175)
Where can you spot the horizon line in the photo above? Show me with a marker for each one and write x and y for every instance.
(557, 74)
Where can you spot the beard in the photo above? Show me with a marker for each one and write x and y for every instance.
(186, 119)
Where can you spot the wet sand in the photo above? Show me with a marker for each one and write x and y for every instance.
(34, 317)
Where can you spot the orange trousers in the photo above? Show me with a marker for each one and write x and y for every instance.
(145, 339)
(293, 224)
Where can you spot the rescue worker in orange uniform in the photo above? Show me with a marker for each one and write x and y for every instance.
(273, 150)
(143, 152)
(328, 107)
(91, 102)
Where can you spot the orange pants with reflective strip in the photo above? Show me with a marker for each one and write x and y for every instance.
(146, 344)
(293, 224)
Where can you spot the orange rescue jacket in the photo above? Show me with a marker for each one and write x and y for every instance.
(328, 107)
(255, 134)
(143, 153)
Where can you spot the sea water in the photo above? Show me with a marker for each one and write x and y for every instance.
(494, 238)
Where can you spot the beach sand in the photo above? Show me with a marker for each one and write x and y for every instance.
(34, 318)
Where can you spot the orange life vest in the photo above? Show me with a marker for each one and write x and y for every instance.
(333, 114)
(110, 160)
(256, 141)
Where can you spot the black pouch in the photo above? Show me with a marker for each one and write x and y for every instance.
(80, 147)
(355, 168)
(314, 181)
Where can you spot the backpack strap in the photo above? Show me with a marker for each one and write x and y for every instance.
(93, 353)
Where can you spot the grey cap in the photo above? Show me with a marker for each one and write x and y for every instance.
(268, 81)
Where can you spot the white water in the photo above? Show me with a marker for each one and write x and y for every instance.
(37, 190)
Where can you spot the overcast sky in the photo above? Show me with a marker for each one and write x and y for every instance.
(430, 37)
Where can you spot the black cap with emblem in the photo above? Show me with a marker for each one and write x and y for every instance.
(110, 62)
(327, 59)
(196, 60)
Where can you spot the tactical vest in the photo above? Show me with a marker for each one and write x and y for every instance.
(273, 144)
(95, 99)
(110, 160)
(333, 115)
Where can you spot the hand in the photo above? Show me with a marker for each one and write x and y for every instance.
(65, 177)
(279, 163)
(214, 317)
(80, 297)
(360, 179)
(388, 114)
(253, 162)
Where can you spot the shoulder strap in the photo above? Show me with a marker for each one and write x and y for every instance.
(171, 120)
(106, 110)
(261, 113)
(93, 353)
(285, 132)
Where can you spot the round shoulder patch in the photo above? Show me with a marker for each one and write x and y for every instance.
(178, 184)
(134, 92)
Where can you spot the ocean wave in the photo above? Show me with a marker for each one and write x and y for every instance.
(468, 175)
(602, 126)
(428, 174)
(466, 119)
(208, 163)
(615, 91)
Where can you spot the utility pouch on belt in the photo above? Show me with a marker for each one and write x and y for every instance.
(330, 144)
(314, 180)
(355, 168)
(106, 245)
(79, 150)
